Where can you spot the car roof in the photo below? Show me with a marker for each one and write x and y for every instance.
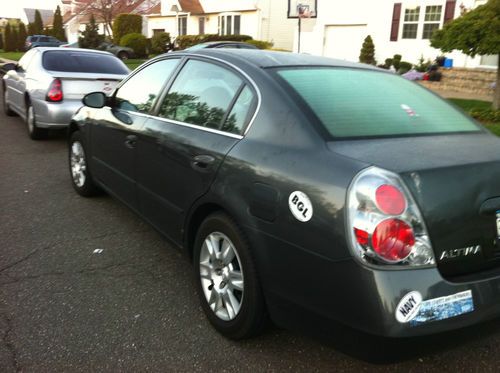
(269, 59)
(63, 50)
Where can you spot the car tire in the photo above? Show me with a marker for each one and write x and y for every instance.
(81, 177)
(123, 55)
(6, 107)
(228, 285)
(34, 132)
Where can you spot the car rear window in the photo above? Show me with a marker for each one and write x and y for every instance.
(83, 62)
(364, 103)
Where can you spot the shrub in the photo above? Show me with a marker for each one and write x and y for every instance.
(90, 36)
(404, 67)
(261, 44)
(396, 60)
(367, 54)
(160, 43)
(186, 41)
(388, 63)
(423, 66)
(135, 41)
(125, 24)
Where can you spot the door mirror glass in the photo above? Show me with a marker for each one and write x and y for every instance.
(95, 100)
(8, 66)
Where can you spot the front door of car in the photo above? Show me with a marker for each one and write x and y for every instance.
(114, 132)
(197, 121)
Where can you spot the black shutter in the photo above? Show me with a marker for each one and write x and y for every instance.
(396, 16)
(449, 10)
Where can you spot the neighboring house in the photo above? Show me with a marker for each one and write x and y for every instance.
(261, 19)
(397, 27)
(28, 15)
(77, 14)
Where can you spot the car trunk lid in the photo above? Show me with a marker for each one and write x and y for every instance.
(75, 86)
(455, 180)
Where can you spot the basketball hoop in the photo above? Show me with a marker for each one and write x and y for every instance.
(303, 11)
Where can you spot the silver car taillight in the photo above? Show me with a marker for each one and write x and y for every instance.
(384, 224)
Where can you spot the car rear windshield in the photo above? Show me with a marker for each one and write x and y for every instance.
(363, 103)
(82, 62)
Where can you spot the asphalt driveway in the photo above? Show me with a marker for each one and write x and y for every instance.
(86, 285)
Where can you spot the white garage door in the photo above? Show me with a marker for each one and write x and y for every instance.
(344, 41)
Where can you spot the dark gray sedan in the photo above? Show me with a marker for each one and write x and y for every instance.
(303, 189)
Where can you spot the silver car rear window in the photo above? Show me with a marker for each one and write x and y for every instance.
(82, 62)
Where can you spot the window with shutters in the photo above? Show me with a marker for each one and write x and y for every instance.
(410, 23)
(432, 20)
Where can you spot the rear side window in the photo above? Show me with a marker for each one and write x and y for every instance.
(44, 39)
(361, 103)
(82, 62)
(203, 93)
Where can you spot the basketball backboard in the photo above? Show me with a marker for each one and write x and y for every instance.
(302, 8)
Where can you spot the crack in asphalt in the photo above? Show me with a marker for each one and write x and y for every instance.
(32, 253)
(10, 345)
(82, 271)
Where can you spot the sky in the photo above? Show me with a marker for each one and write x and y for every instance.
(13, 8)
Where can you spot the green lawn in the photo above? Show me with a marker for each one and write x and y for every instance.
(133, 63)
(478, 107)
(11, 55)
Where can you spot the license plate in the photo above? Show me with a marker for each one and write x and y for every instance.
(498, 224)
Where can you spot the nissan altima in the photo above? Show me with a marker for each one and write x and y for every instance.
(46, 86)
(303, 187)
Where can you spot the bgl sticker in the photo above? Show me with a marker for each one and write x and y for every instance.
(300, 205)
(408, 307)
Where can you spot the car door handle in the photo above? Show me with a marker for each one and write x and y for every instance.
(131, 141)
(202, 162)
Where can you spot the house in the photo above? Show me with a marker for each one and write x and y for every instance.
(261, 19)
(77, 14)
(396, 26)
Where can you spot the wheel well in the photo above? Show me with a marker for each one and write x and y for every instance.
(73, 126)
(27, 99)
(195, 221)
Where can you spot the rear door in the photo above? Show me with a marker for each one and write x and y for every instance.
(202, 116)
(114, 133)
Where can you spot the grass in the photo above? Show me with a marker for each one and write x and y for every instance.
(477, 106)
(16, 56)
(132, 63)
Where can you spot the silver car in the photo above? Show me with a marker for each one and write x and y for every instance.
(47, 85)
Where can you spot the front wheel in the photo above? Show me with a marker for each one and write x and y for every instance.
(227, 279)
(34, 132)
(78, 166)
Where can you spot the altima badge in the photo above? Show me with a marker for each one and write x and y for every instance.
(460, 253)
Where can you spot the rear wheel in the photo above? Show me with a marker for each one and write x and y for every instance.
(34, 132)
(227, 279)
(80, 174)
(123, 55)
(6, 107)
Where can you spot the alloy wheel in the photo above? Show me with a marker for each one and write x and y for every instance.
(78, 164)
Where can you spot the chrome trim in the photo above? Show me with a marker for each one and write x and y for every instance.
(180, 56)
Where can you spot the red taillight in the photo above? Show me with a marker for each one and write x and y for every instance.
(393, 239)
(55, 93)
(390, 200)
(361, 236)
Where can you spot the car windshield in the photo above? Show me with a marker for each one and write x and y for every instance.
(365, 103)
(83, 62)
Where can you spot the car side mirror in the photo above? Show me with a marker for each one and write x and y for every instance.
(95, 100)
(9, 66)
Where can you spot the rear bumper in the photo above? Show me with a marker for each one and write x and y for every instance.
(346, 292)
(55, 114)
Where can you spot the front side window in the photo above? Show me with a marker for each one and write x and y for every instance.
(410, 25)
(432, 20)
(44, 39)
(202, 95)
(140, 91)
(363, 103)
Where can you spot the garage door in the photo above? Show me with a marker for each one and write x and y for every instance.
(344, 41)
